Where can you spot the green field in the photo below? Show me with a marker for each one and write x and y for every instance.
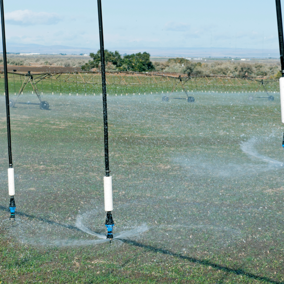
(198, 190)
(90, 84)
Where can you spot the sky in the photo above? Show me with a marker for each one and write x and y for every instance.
(144, 25)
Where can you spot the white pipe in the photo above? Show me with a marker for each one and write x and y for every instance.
(11, 182)
(108, 194)
(281, 82)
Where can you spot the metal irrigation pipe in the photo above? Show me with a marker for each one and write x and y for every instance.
(11, 179)
(108, 197)
(6, 86)
(104, 91)
(14, 84)
(51, 84)
(280, 34)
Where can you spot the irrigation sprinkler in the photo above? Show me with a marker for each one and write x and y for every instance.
(29, 78)
(182, 81)
(11, 178)
(108, 198)
(269, 97)
(281, 49)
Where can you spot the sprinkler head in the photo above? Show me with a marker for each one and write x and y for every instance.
(109, 232)
(283, 141)
(12, 207)
(109, 225)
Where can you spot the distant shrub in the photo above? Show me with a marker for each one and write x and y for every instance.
(178, 60)
(12, 62)
(199, 71)
(221, 70)
(160, 66)
(110, 67)
(175, 68)
(218, 68)
(278, 75)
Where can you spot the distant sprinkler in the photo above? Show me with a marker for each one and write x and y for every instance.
(11, 179)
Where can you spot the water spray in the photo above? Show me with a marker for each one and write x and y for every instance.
(11, 179)
(108, 199)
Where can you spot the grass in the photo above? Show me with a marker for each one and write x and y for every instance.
(121, 84)
(215, 214)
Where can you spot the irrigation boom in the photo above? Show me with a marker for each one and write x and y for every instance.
(11, 179)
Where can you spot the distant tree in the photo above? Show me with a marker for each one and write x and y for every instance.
(110, 57)
(179, 60)
(139, 62)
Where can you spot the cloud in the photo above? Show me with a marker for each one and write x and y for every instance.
(28, 17)
(176, 27)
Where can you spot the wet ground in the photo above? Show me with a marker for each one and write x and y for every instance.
(196, 185)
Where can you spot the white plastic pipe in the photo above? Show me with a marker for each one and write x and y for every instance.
(281, 82)
(108, 194)
(11, 182)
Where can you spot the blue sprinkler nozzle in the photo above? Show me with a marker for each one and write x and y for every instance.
(109, 225)
(283, 141)
(109, 231)
(12, 207)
